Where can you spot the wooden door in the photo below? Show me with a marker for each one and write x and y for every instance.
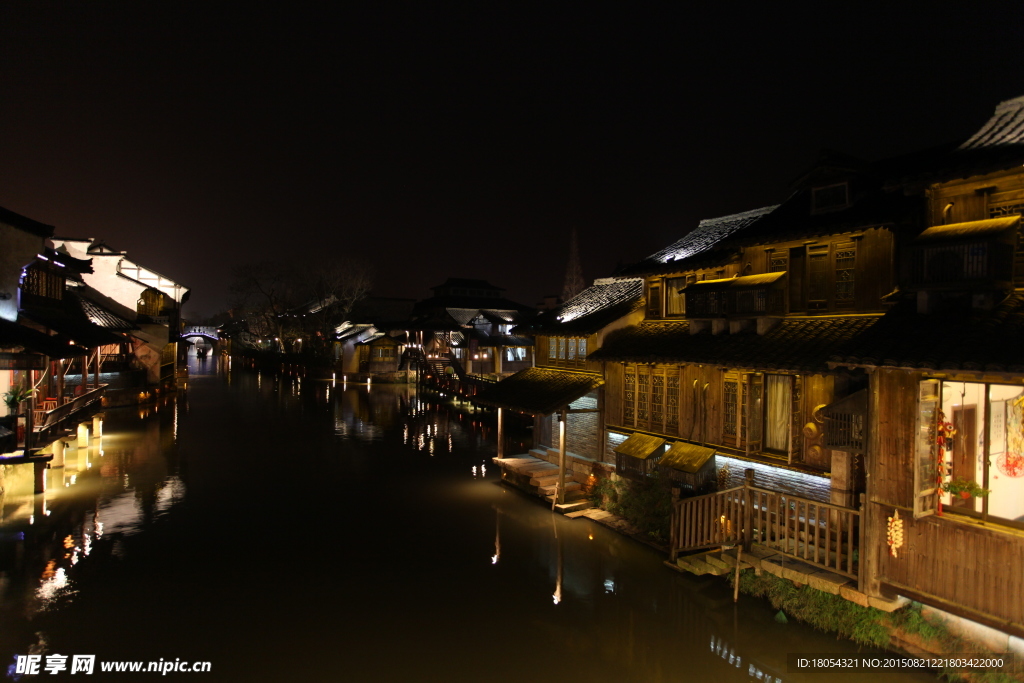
(965, 449)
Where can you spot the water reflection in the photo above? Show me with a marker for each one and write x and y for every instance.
(430, 557)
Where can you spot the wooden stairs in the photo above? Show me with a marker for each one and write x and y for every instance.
(535, 475)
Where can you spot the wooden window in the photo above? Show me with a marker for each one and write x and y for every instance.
(926, 472)
(150, 303)
(675, 302)
(830, 197)
(778, 412)
(817, 281)
(657, 401)
(629, 397)
(572, 350)
(672, 401)
(1006, 210)
(846, 261)
(654, 300)
(40, 282)
(581, 348)
(552, 348)
(778, 262)
(730, 408)
(561, 349)
(643, 397)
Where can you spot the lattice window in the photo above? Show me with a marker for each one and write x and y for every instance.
(672, 403)
(629, 397)
(581, 348)
(552, 348)
(778, 263)
(817, 281)
(731, 406)
(1005, 210)
(572, 350)
(643, 395)
(846, 260)
(561, 349)
(42, 283)
(657, 400)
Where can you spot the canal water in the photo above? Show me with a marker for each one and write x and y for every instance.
(285, 529)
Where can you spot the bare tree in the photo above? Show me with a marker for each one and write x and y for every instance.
(265, 294)
(335, 286)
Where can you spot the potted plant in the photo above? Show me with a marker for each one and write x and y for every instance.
(15, 397)
(965, 488)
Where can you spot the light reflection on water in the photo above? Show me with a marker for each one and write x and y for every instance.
(434, 566)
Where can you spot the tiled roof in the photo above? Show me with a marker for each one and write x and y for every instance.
(599, 305)
(539, 391)
(739, 282)
(996, 146)
(698, 242)
(972, 229)
(14, 335)
(18, 221)
(102, 316)
(798, 344)
(983, 341)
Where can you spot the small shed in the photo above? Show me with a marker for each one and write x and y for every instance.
(638, 456)
(691, 467)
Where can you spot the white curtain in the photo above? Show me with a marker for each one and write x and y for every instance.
(776, 435)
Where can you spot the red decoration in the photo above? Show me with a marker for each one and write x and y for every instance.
(944, 441)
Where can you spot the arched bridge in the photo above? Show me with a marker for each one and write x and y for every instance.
(207, 331)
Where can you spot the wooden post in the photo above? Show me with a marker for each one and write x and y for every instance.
(501, 432)
(748, 511)
(736, 579)
(60, 383)
(39, 472)
(96, 369)
(860, 545)
(560, 493)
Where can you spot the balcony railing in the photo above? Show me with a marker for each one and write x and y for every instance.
(64, 418)
(736, 302)
(951, 264)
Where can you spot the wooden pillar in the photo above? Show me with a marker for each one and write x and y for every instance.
(497, 351)
(58, 453)
(96, 369)
(561, 456)
(60, 383)
(501, 432)
(30, 413)
(748, 511)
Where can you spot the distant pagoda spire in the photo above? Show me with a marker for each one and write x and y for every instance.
(574, 283)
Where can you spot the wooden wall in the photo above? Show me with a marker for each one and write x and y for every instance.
(613, 393)
(958, 561)
(893, 416)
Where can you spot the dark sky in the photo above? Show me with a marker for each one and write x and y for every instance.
(436, 141)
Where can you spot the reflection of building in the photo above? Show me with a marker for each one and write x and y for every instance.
(149, 300)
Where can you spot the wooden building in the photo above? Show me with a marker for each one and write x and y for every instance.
(467, 324)
(945, 427)
(564, 392)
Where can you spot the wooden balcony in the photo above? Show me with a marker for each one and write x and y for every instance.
(747, 296)
(63, 419)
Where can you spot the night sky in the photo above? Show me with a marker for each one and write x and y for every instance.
(438, 142)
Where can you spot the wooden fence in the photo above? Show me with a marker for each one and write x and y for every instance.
(817, 533)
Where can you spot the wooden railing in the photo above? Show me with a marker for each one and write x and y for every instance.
(57, 419)
(817, 533)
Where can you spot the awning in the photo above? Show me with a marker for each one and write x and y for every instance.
(15, 336)
(687, 457)
(77, 329)
(741, 282)
(640, 446)
(991, 227)
(539, 391)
